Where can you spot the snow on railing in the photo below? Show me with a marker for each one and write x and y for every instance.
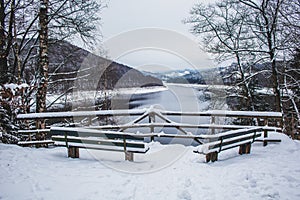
(227, 113)
(81, 114)
(216, 113)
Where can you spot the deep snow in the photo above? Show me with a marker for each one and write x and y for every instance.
(271, 172)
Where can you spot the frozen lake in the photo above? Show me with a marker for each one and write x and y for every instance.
(175, 97)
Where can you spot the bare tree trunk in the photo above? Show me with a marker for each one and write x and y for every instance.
(17, 62)
(3, 57)
(43, 66)
(278, 102)
(245, 86)
(270, 26)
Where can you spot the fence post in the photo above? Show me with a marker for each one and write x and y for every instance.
(151, 120)
(89, 120)
(213, 121)
(265, 132)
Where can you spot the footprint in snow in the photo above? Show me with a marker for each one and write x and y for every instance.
(187, 183)
(184, 195)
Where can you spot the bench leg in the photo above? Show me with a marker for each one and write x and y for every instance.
(129, 156)
(242, 149)
(73, 152)
(207, 156)
(248, 148)
(213, 156)
(245, 149)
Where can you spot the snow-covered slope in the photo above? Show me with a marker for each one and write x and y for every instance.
(271, 172)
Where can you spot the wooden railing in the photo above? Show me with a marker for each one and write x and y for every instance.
(154, 118)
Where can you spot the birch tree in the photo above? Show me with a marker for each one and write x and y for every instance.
(42, 77)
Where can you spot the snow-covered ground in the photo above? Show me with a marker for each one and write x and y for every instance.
(271, 172)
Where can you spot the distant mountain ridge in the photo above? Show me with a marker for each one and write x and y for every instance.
(186, 76)
(217, 75)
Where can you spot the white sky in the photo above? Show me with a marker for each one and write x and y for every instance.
(124, 15)
(127, 19)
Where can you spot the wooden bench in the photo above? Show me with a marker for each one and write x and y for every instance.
(75, 138)
(242, 138)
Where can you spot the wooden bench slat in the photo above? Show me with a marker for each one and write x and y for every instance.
(119, 143)
(80, 132)
(236, 139)
(229, 139)
(237, 133)
(105, 148)
(268, 140)
(234, 144)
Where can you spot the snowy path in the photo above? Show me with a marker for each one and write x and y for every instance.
(271, 172)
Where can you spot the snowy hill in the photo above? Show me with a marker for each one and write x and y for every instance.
(69, 64)
(191, 76)
(271, 172)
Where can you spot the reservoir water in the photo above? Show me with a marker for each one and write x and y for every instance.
(174, 97)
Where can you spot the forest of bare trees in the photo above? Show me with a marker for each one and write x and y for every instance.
(27, 29)
(250, 33)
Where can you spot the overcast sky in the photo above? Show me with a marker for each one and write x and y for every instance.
(151, 34)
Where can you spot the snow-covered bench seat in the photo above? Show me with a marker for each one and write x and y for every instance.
(75, 138)
(219, 142)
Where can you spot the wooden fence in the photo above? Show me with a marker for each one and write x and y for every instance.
(153, 119)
